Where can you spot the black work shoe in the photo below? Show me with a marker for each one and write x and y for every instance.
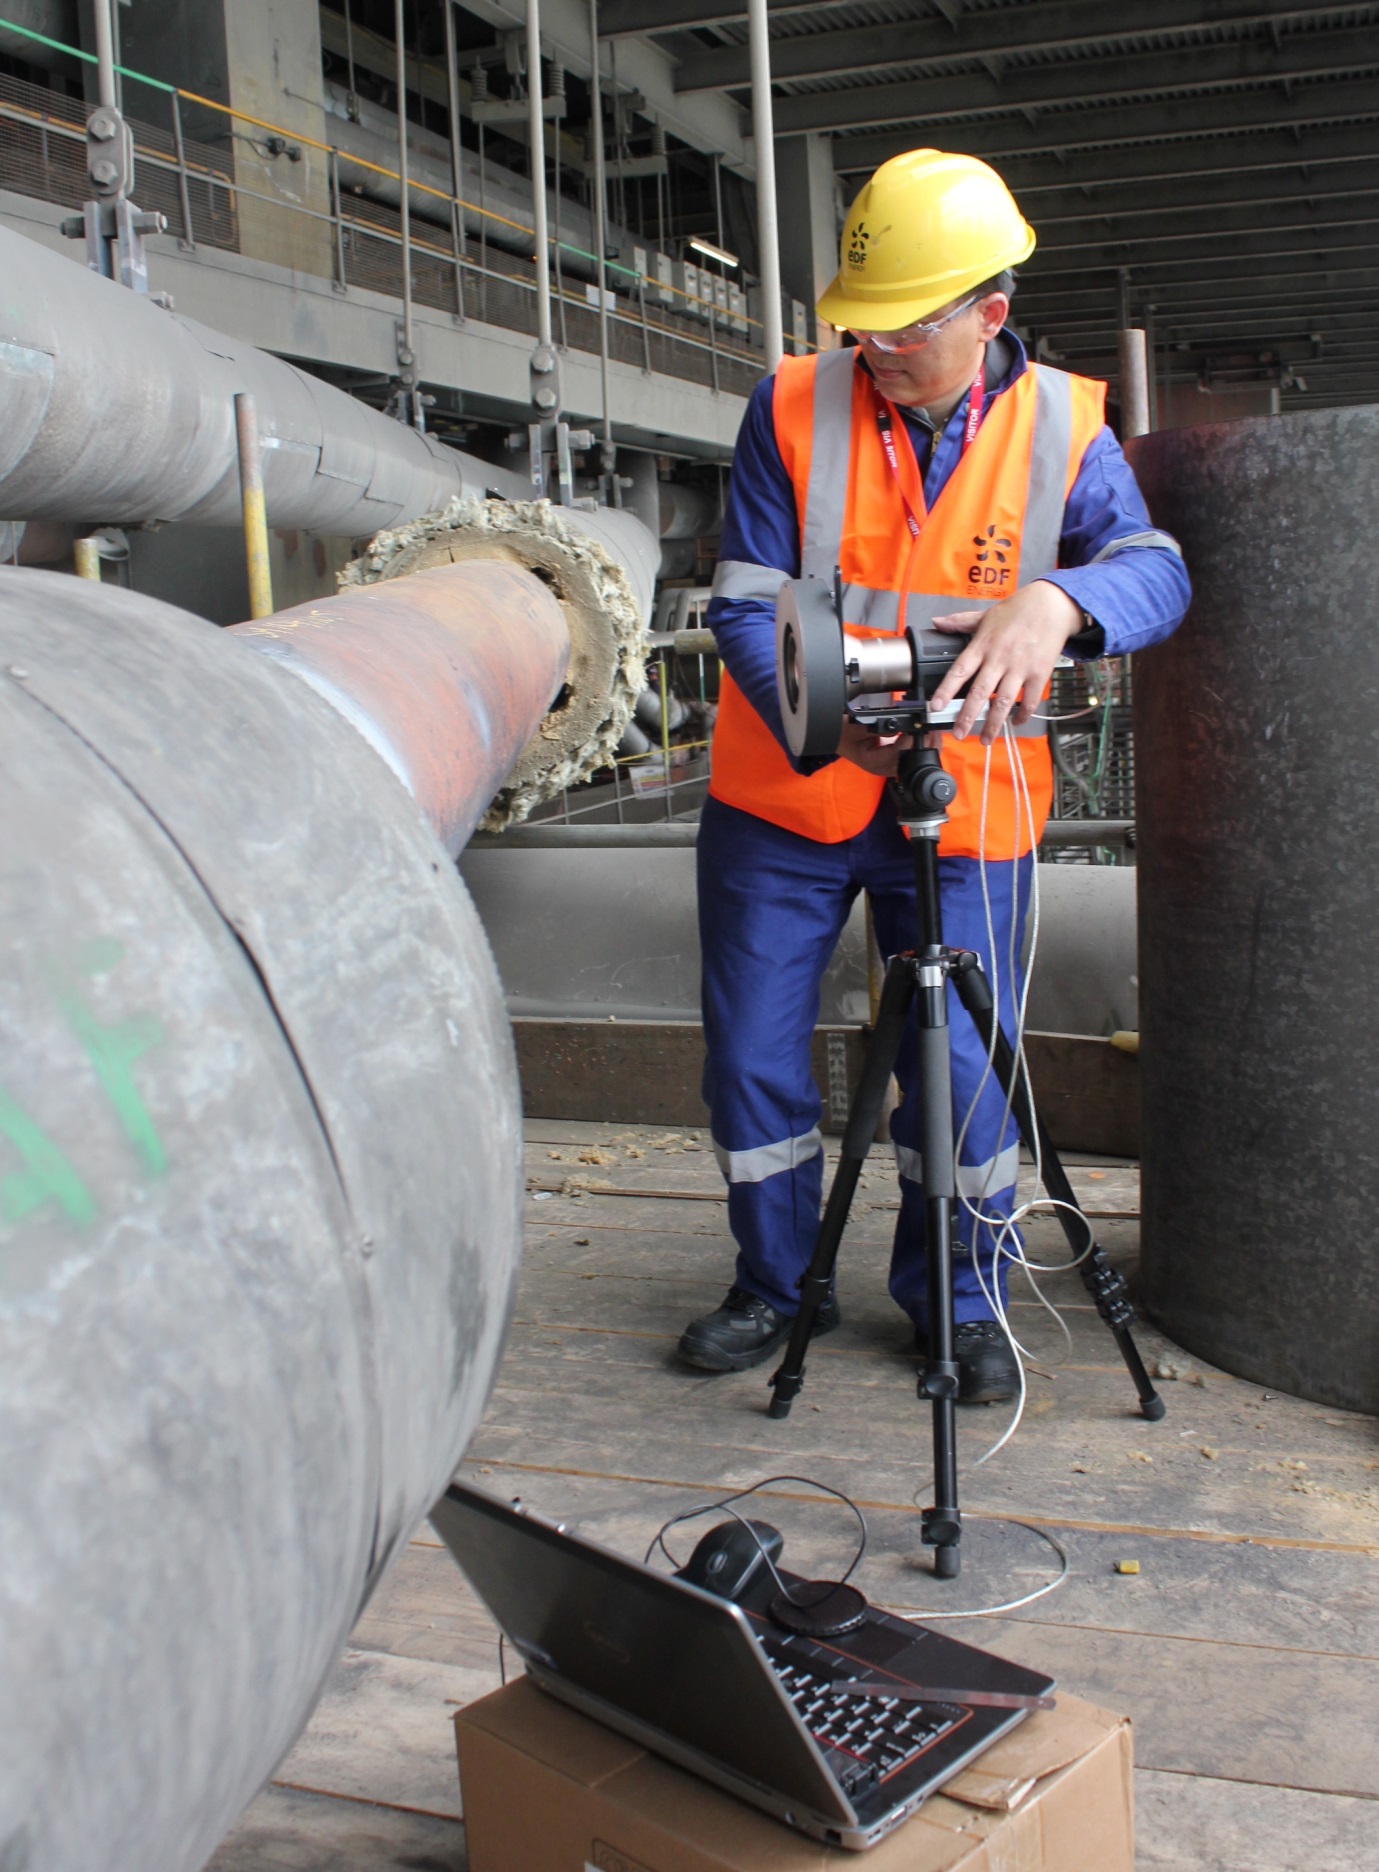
(745, 1331)
(987, 1371)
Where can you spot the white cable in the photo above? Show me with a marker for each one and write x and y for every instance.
(1007, 1605)
(1006, 1227)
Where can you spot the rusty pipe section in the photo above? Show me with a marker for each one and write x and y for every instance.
(446, 672)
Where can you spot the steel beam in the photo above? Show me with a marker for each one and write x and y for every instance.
(628, 19)
(1198, 164)
(1105, 127)
(1070, 26)
(1182, 246)
(1183, 202)
(948, 99)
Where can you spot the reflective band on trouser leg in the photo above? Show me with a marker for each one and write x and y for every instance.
(990, 1153)
(771, 905)
(768, 1160)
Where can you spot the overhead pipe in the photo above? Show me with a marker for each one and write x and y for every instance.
(260, 1166)
(118, 410)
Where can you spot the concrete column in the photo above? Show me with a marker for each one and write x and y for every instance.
(809, 230)
(262, 57)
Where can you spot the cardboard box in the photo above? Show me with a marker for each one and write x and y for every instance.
(547, 1790)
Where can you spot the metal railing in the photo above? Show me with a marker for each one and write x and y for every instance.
(42, 153)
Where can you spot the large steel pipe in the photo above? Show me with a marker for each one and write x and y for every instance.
(113, 409)
(260, 1186)
(1256, 730)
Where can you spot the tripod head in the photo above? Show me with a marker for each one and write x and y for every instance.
(923, 790)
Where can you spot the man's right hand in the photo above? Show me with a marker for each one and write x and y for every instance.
(870, 752)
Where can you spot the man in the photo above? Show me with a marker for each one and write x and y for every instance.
(936, 458)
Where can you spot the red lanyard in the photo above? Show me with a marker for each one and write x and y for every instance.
(884, 413)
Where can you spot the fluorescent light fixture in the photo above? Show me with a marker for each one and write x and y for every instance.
(714, 253)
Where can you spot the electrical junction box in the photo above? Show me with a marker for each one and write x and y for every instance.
(799, 326)
(591, 293)
(720, 299)
(737, 308)
(665, 280)
(548, 1790)
(693, 289)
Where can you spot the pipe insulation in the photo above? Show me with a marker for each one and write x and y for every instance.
(260, 1168)
(115, 410)
(600, 566)
(1256, 731)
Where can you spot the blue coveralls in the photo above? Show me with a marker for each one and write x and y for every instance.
(772, 903)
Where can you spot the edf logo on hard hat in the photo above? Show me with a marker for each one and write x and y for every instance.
(859, 237)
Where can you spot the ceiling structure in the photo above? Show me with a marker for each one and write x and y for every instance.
(1212, 164)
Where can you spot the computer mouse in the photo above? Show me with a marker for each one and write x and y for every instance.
(728, 1559)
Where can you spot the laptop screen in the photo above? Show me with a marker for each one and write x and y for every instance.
(671, 1657)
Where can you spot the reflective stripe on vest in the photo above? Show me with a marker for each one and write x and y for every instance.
(996, 526)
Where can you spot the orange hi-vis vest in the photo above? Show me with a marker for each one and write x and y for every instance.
(996, 526)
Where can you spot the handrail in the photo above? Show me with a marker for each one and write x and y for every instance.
(218, 178)
(362, 162)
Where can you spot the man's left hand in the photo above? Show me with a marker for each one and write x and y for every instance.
(1010, 658)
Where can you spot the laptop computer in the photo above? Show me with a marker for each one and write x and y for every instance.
(720, 1689)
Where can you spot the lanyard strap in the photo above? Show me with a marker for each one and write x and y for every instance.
(975, 400)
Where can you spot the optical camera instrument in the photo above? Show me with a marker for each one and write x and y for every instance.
(825, 676)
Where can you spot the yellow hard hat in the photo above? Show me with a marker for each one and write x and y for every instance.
(926, 228)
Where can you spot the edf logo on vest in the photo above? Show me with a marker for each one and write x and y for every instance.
(989, 546)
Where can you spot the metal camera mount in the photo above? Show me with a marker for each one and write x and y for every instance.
(823, 678)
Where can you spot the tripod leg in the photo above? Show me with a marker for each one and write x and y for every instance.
(942, 1523)
(1103, 1282)
(863, 1119)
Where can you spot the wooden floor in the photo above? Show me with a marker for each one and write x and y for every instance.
(1246, 1649)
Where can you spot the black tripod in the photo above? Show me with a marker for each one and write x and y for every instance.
(923, 792)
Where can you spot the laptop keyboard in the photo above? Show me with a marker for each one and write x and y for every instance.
(874, 1736)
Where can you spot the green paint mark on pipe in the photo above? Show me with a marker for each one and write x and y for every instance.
(47, 1176)
(112, 1051)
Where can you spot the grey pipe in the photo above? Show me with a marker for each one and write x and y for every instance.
(114, 410)
(260, 1207)
(552, 836)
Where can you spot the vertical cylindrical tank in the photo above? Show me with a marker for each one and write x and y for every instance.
(1257, 748)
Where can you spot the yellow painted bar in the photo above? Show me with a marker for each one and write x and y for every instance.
(87, 559)
(255, 512)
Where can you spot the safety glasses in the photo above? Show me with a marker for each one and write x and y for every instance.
(910, 337)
